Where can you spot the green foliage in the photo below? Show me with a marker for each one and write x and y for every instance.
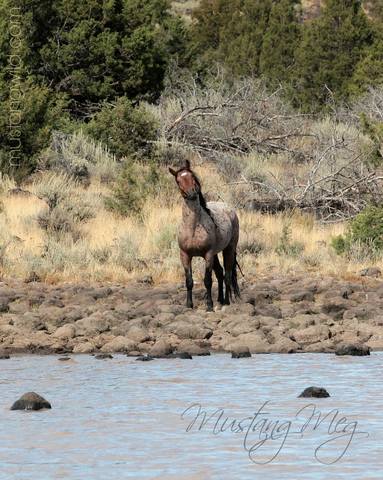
(66, 208)
(231, 32)
(369, 70)
(28, 115)
(101, 50)
(287, 247)
(339, 244)
(126, 130)
(331, 47)
(364, 233)
(136, 182)
(280, 41)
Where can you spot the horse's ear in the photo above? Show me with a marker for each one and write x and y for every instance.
(187, 164)
(172, 171)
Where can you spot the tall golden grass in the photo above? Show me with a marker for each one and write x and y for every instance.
(118, 249)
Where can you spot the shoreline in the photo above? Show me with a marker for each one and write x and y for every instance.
(276, 314)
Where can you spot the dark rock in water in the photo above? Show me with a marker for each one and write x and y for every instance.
(144, 358)
(352, 349)
(243, 354)
(204, 353)
(183, 355)
(64, 359)
(103, 356)
(30, 401)
(4, 357)
(316, 392)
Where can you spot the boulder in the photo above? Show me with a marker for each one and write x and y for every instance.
(66, 331)
(103, 356)
(30, 401)
(119, 344)
(84, 347)
(144, 358)
(161, 348)
(352, 349)
(314, 392)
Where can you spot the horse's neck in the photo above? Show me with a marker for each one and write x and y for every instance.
(191, 215)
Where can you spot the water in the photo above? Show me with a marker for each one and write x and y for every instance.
(120, 418)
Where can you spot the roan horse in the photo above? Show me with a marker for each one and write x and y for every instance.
(207, 229)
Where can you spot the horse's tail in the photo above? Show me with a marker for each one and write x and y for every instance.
(234, 277)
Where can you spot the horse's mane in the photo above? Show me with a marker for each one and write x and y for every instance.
(202, 200)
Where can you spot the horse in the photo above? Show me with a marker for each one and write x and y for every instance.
(206, 230)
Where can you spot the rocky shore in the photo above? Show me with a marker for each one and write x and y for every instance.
(277, 314)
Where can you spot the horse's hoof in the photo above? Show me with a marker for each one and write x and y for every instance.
(209, 308)
(189, 306)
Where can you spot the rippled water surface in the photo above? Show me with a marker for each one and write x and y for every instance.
(119, 418)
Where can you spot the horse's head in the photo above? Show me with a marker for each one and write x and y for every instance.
(187, 182)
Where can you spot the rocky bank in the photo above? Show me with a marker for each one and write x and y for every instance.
(277, 314)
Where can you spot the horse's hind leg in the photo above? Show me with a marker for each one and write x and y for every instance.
(229, 264)
(218, 270)
(208, 281)
(186, 262)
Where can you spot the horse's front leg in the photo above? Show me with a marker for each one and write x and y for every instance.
(208, 281)
(186, 262)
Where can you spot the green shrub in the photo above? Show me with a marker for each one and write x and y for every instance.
(134, 185)
(67, 206)
(286, 247)
(126, 130)
(364, 235)
(367, 227)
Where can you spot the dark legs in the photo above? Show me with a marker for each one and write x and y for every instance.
(229, 264)
(218, 270)
(208, 281)
(186, 262)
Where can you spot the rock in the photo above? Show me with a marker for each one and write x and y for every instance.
(191, 331)
(182, 355)
(138, 334)
(371, 272)
(284, 345)
(92, 325)
(64, 359)
(268, 310)
(144, 358)
(310, 335)
(103, 356)
(255, 342)
(306, 295)
(119, 344)
(161, 348)
(335, 308)
(66, 331)
(84, 347)
(352, 349)
(194, 348)
(244, 354)
(240, 351)
(316, 392)
(30, 401)
(4, 357)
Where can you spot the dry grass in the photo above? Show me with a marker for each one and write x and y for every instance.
(114, 248)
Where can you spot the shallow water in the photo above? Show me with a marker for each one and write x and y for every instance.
(119, 418)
